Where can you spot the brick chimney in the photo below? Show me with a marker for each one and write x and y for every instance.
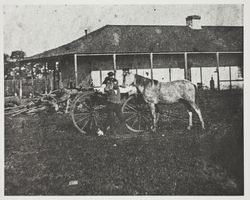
(86, 31)
(193, 22)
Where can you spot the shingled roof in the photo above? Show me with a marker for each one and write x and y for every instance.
(151, 38)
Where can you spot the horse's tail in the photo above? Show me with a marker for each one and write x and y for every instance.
(196, 93)
(198, 100)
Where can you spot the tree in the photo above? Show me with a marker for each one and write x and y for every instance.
(8, 67)
(17, 55)
(12, 67)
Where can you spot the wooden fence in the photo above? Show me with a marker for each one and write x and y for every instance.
(27, 87)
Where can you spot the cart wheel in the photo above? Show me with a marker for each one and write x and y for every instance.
(88, 112)
(137, 114)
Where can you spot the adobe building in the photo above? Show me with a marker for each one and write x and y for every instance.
(164, 53)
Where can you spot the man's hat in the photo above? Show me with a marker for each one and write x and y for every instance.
(111, 74)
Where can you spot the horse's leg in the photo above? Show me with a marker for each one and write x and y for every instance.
(190, 124)
(68, 106)
(157, 112)
(198, 111)
(153, 112)
(190, 113)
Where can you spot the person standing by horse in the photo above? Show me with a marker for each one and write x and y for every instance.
(113, 104)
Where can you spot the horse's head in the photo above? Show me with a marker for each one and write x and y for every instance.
(129, 79)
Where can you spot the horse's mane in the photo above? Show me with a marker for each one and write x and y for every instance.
(141, 80)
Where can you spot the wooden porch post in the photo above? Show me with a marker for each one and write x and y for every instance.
(169, 74)
(60, 75)
(185, 66)
(45, 71)
(100, 76)
(114, 63)
(151, 66)
(135, 63)
(217, 69)
(75, 64)
(230, 78)
(201, 76)
(21, 89)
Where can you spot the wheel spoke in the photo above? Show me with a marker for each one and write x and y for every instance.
(128, 112)
(131, 107)
(81, 113)
(131, 117)
(134, 122)
(90, 126)
(146, 121)
(80, 120)
(95, 120)
(127, 115)
(146, 117)
(85, 124)
(139, 122)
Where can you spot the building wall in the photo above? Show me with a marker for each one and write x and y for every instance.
(91, 66)
(67, 70)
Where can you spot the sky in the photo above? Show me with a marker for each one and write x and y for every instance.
(37, 28)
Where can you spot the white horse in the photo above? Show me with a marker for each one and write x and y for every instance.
(155, 92)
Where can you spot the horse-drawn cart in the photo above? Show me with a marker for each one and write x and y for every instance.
(88, 110)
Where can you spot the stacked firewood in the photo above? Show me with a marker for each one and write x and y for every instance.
(31, 106)
(58, 100)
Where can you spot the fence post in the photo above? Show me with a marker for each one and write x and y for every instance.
(13, 85)
(21, 89)
(32, 80)
(51, 83)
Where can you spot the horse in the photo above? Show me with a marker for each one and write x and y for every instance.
(155, 92)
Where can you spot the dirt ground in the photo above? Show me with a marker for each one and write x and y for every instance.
(45, 155)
